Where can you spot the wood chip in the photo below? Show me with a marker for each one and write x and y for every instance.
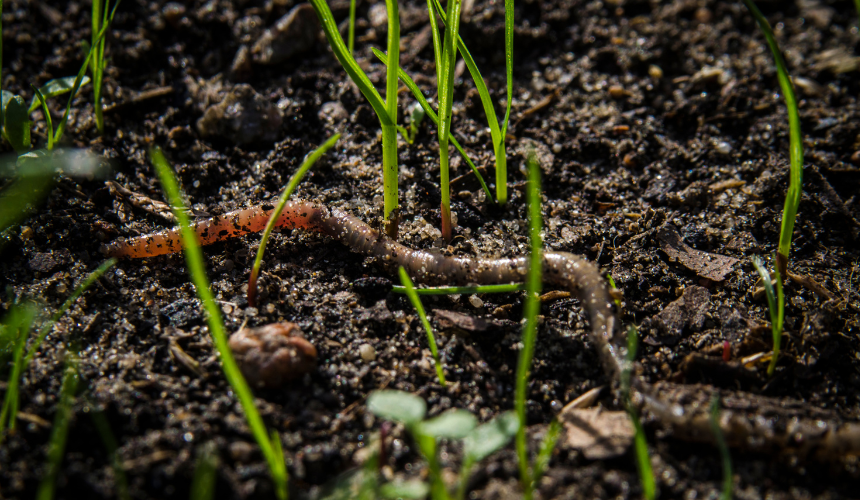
(597, 433)
(707, 265)
(452, 320)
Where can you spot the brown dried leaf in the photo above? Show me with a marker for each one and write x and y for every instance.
(707, 265)
(599, 434)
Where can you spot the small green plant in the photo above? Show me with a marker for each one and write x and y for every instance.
(309, 161)
(386, 110)
(728, 484)
(269, 444)
(416, 116)
(640, 444)
(478, 441)
(17, 328)
(497, 131)
(419, 96)
(795, 187)
(446, 56)
(16, 114)
(60, 432)
(776, 307)
(203, 483)
(530, 313)
(419, 308)
(99, 20)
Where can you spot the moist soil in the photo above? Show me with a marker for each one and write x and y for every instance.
(641, 113)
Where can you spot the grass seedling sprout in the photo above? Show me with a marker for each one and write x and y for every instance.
(419, 308)
(530, 313)
(21, 362)
(445, 97)
(795, 186)
(419, 96)
(776, 307)
(13, 336)
(60, 432)
(99, 20)
(640, 444)
(203, 482)
(728, 484)
(291, 187)
(386, 111)
(547, 446)
(47, 113)
(270, 446)
(462, 290)
(496, 134)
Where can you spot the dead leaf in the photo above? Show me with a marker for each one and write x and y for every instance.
(598, 433)
(707, 265)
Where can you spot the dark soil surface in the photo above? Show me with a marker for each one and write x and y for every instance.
(639, 113)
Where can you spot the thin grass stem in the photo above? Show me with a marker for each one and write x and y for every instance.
(495, 131)
(640, 444)
(15, 331)
(194, 261)
(205, 472)
(419, 308)
(445, 96)
(47, 113)
(351, 34)
(309, 161)
(412, 86)
(795, 187)
(530, 313)
(60, 432)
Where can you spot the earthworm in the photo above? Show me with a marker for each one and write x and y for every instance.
(822, 436)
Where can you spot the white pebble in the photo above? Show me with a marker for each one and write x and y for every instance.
(367, 352)
(476, 301)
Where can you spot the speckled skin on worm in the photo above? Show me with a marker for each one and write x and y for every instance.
(820, 438)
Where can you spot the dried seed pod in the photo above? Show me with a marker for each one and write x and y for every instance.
(273, 354)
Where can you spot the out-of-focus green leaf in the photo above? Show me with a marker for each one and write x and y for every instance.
(17, 123)
(397, 406)
(453, 424)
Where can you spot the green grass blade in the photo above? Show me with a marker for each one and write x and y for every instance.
(640, 444)
(728, 484)
(194, 261)
(205, 472)
(20, 196)
(509, 61)
(492, 121)
(389, 132)
(49, 122)
(270, 226)
(437, 40)
(3, 104)
(60, 433)
(419, 308)
(13, 337)
(61, 127)
(17, 120)
(348, 62)
(419, 96)
(546, 448)
(776, 308)
(46, 328)
(103, 428)
(351, 34)
(54, 88)
(461, 290)
(795, 187)
(530, 312)
(856, 7)
(445, 87)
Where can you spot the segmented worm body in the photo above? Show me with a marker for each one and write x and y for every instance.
(820, 435)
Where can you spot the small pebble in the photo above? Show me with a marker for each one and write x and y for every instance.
(367, 353)
(723, 147)
(26, 232)
(617, 92)
(272, 355)
(655, 72)
(476, 301)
